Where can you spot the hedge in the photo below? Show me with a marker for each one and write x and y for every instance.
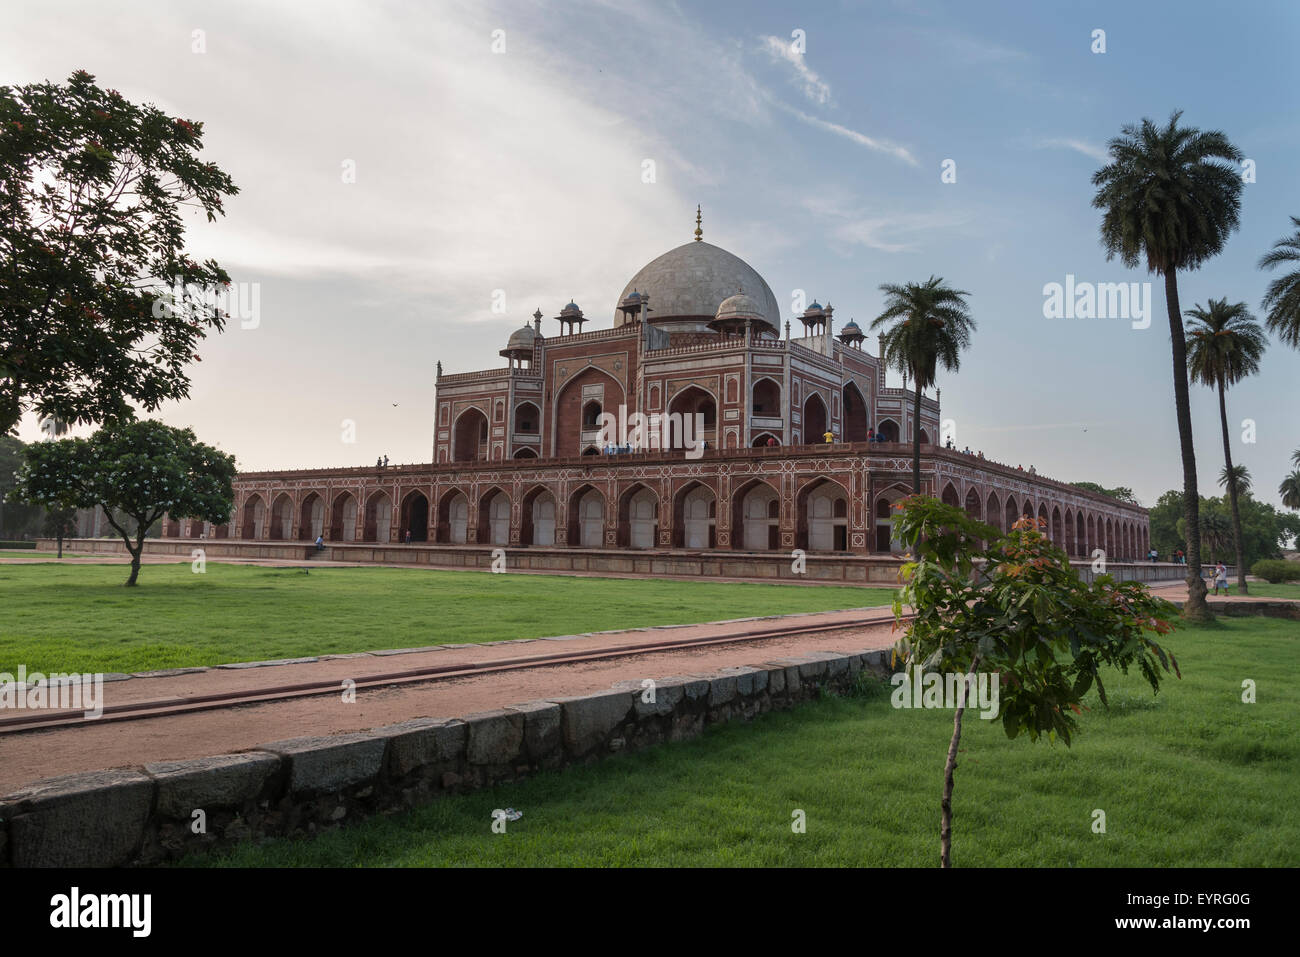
(1275, 570)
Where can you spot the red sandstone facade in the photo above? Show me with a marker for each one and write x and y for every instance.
(519, 458)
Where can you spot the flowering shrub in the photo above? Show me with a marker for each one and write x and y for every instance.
(1012, 605)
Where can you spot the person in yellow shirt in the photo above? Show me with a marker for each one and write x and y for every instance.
(829, 436)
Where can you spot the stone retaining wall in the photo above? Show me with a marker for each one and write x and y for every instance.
(306, 785)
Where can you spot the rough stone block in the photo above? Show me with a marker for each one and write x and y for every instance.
(589, 720)
(424, 742)
(749, 680)
(80, 820)
(222, 781)
(722, 690)
(543, 737)
(495, 737)
(323, 765)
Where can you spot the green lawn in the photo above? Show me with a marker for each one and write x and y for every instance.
(1192, 777)
(1265, 590)
(79, 618)
(33, 553)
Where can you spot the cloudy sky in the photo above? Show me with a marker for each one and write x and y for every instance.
(501, 153)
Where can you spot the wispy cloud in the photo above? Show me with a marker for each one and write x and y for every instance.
(784, 51)
(890, 232)
(1079, 146)
(871, 143)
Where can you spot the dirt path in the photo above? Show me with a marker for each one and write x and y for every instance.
(33, 755)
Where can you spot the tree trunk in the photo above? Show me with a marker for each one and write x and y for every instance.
(135, 558)
(916, 444)
(1194, 608)
(945, 815)
(1232, 493)
(59, 539)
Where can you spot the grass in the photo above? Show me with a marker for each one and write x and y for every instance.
(34, 553)
(79, 618)
(1190, 778)
(1265, 590)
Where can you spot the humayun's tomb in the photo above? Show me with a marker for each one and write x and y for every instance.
(518, 459)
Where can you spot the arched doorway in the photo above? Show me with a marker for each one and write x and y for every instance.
(699, 418)
(814, 420)
(888, 430)
(311, 518)
(379, 518)
(587, 518)
(763, 439)
(825, 517)
(415, 516)
(470, 437)
(343, 522)
(638, 520)
(886, 541)
(537, 517)
(1012, 513)
(453, 518)
(254, 518)
(281, 518)
(949, 496)
(766, 398)
(993, 512)
(528, 419)
(756, 518)
(695, 513)
(577, 407)
(494, 518)
(855, 420)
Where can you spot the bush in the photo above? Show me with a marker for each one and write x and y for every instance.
(21, 544)
(1276, 570)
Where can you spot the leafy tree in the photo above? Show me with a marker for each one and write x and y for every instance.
(1290, 490)
(1281, 303)
(1225, 344)
(140, 469)
(17, 520)
(1264, 529)
(1026, 618)
(1172, 196)
(1121, 492)
(927, 324)
(91, 236)
(59, 524)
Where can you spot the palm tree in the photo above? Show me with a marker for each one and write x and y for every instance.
(929, 325)
(1171, 196)
(1282, 300)
(1240, 474)
(1224, 345)
(1216, 532)
(1290, 490)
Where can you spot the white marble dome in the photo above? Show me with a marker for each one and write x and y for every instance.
(686, 286)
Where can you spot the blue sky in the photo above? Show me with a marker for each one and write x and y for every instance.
(522, 171)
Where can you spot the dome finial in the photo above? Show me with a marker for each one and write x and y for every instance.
(699, 233)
